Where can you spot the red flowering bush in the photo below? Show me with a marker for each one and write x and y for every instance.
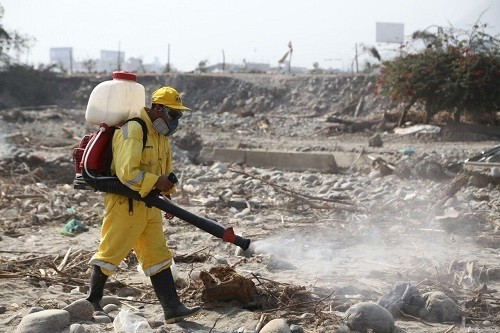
(455, 71)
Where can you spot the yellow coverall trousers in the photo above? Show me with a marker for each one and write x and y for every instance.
(125, 228)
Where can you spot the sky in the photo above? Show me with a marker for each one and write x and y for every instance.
(325, 32)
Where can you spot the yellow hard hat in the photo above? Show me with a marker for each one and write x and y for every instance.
(169, 97)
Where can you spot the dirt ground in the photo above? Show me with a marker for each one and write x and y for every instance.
(313, 256)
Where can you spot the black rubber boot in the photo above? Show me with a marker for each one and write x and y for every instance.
(97, 281)
(173, 309)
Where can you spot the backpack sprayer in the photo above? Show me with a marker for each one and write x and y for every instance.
(155, 199)
(93, 156)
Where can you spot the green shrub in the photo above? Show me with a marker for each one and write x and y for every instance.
(455, 71)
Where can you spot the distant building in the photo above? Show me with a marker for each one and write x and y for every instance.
(111, 61)
(249, 67)
(134, 65)
(218, 68)
(62, 57)
(155, 66)
(256, 67)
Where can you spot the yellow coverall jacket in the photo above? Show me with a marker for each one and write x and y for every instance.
(134, 226)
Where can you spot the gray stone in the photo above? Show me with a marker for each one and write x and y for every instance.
(193, 181)
(375, 141)
(439, 308)
(375, 174)
(110, 308)
(367, 315)
(219, 168)
(238, 203)
(243, 329)
(306, 315)
(324, 189)
(277, 264)
(80, 310)
(296, 328)
(311, 178)
(110, 300)
(276, 326)
(346, 186)
(495, 172)
(44, 321)
(35, 309)
(334, 195)
(2, 309)
(358, 190)
(127, 291)
(243, 213)
(77, 328)
(342, 329)
(102, 319)
(362, 194)
(207, 178)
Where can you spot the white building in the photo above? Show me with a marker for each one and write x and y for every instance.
(62, 57)
(111, 61)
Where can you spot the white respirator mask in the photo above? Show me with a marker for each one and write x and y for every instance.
(165, 128)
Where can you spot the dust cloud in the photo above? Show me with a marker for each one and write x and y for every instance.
(362, 248)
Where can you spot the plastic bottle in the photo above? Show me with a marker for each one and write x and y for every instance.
(114, 101)
(128, 322)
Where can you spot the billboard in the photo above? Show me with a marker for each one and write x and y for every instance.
(390, 32)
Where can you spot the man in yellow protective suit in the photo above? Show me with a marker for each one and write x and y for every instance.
(128, 224)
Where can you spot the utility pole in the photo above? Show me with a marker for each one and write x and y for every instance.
(71, 61)
(119, 65)
(168, 59)
(223, 60)
(356, 57)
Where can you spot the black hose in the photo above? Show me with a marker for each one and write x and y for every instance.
(153, 199)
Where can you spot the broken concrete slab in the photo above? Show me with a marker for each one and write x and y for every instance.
(346, 159)
(286, 160)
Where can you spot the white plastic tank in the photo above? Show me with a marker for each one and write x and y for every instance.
(114, 101)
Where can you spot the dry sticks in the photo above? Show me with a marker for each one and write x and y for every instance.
(337, 204)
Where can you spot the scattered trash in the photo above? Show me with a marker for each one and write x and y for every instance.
(489, 156)
(128, 322)
(73, 227)
(408, 151)
(417, 129)
(71, 210)
(381, 165)
(403, 297)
